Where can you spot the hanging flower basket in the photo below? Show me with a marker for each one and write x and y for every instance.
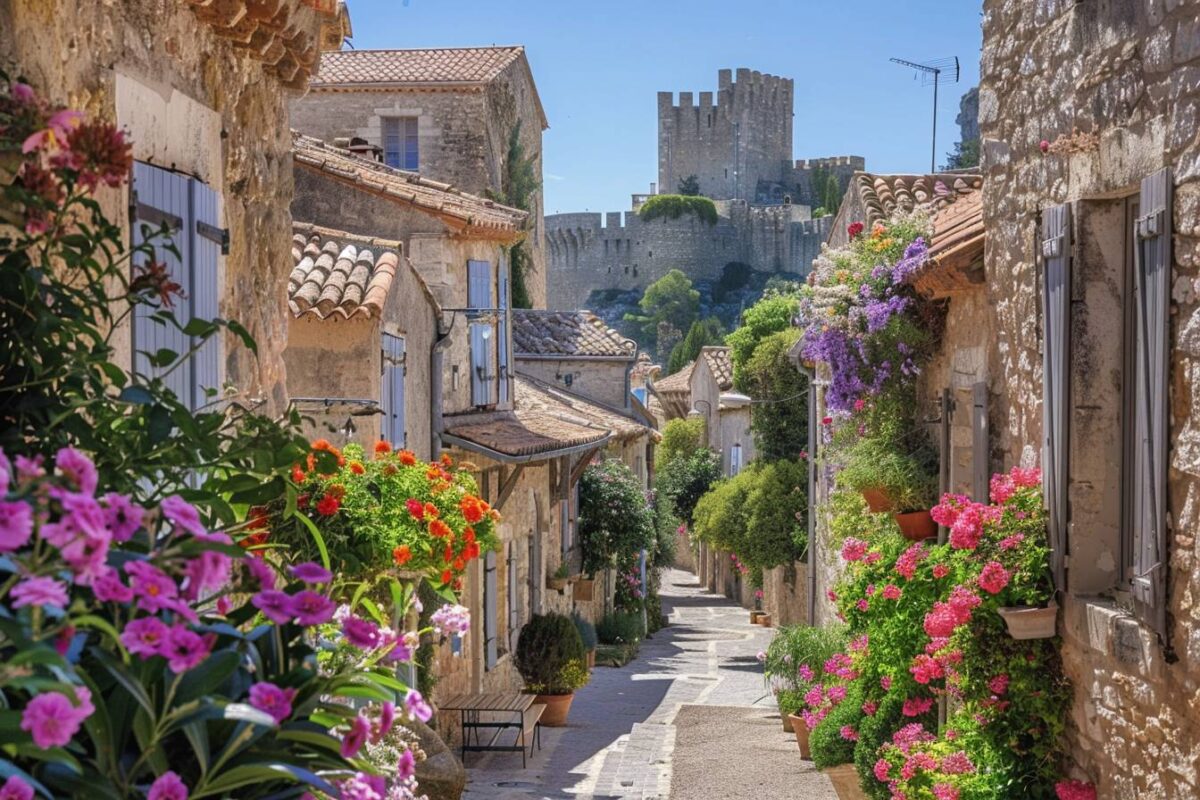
(1028, 622)
(877, 499)
(916, 526)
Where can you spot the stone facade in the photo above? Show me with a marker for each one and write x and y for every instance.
(463, 133)
(1114, 88)
(191, 101)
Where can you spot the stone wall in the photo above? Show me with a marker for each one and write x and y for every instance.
(1129, 74)
(193, 102)
(785, 594)
(601, 380)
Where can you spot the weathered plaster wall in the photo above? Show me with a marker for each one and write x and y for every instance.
(73, 51)
(327, 358)
(785, 594)
(603, 381)
(1129, 74)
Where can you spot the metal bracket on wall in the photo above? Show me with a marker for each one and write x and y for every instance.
(214, 234)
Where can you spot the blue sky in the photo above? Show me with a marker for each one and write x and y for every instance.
(598, 67)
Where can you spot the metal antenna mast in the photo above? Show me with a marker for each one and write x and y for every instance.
(935, 71)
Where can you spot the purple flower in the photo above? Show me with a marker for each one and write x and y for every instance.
(153, 588)
(108, 587)
(416, 706)
(407, 766)
(362, 634)
(168, 786)
(122, 516)
(14, 788)
(209, 569)
(30, 469)
(269, 698)
(77, 468)
(312, 608)
(261, 571)
(183, 514)
(40, 591)
(275, 605)
(145, 637)
(311, 573)
(356, 737)
(16, 525)
(185, 648)
(451, 619)
(51, 718)
(387, 718)
(915, 257)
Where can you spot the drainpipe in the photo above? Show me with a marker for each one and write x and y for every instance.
(436, 358)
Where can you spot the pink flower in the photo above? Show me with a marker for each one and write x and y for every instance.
(416, 706)
(183, 514)
(940, 570)
(145, 637)
(966, 530)
(940, 621)
(862, 604)
(925, 669)
(153, 588)
(407, 766)
(944, 791)
(1002, 488)
(854, 549)
(261, 571)
(387, 718)
(805, 672)
(886, 683)
(52, 719)
(23, 94)
(360, 633)
(956, 763)
(836, 693)
(29, 469)
(40, 591)
(870, 707)
(16, 525)
(356, 737)
(814, 697)
(916, 706)
(891, 592)
(185, 649)
(14, 788)
(208, 569)
(848, 733)
(906, 564)
(1009, 542)
(882, 770)
(270, 699)
(275, 605)
(831, 595)
(312, 608)
(993, 578)
(122, 516)
(1075, 790)
(78, 469)
(311, 573)
(962, 600)
(998, 684)
(1026, 479)
(168, 786)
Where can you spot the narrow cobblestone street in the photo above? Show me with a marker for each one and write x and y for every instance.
(688, 719)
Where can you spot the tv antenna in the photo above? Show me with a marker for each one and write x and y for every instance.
(934, 71)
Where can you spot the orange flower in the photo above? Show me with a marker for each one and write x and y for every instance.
(471, 508)
(382, 448)
(402, 555)
(328, 505)
(407, 458)
(357, 468)
(440, 529)
(447, 576)
(431, 511)
(322, 444)
(298, 475)
(448, 554)
(336, 490)
(312, 462)
(433, 473)
(459, 564)
(472, 550)
(439, 486)
(468, 534)
(341, 459)
(446, 460)
(389, 469)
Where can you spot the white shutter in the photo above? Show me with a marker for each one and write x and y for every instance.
(1152, 282)
(483, 334)
(1056, 301)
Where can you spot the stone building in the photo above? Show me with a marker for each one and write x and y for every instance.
(447, 113)
(202, 90)
(1091, 196)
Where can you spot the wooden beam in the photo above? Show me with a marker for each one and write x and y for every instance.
(584, 460)
(507, 484)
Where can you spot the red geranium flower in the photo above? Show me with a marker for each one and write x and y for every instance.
(854, 229)
(407, 458)
(415, 508)
(382, 448)
(357, 468)
(328, 505)
(402, 555)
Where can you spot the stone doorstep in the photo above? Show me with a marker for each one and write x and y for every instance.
(1098, 624)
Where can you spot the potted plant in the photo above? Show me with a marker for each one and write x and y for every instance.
(764, 619)
(587, 632)
(559, 579)
(551, 658)
(833, 751)
(893, 475)
(790, 702)
(1030, 622)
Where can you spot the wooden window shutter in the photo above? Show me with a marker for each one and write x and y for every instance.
(979, 442)
(207, 241)
(1056, 303)
(393, 427)
(489, 609)
(1152, 288)
(483, 334)
(514, 624)
(502, 331)
(479, 284)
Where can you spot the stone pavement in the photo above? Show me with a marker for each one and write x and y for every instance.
(690, 718)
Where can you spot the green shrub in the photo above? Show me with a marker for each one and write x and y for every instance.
(905, 471)
(587, 631)
(791, 701)
(615, 521)
(777, 530)
(620, 627)
(550, 655)
(721, 515)
(674, 206)
(770, 315)
(829, 747)
(680, 439)
(797, 645)
(683, 480)
(780, 419)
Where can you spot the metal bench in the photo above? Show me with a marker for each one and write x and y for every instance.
(504, 712)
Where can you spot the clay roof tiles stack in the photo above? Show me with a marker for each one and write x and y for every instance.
(340, 279)
(884, 195)
(720, 364)
(446, 65)
(567, 333)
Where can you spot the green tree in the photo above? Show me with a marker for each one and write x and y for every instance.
(680, 438)
(818, 177)
(669, 299)
(831, 199)
(965, 155)
(702, 333)
(771, 314)
(674, 206)
(615, 521)
(519, 184)
(690, 186)
(779, 418)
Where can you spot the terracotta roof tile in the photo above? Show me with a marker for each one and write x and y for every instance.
(340, 279)
(884, 195)
(720, 364)
(462, 65)
(567, 333)
(955, 249)
(463, 211)
(677, 381)
(536, 398)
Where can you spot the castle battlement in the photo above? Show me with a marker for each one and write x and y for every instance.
(855, 162)
(751, 88)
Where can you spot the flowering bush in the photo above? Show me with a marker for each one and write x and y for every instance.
(794, 662)
(616, 522)
(390, 510)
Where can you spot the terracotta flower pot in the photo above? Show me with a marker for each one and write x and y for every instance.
(787, 721)
(1025, 622)
(916, 526)
(877, 499)
(754, 615)
(557, 708)
(584, 590)
(844, 778)
(557, 584)
(764, 620)
(801, 730)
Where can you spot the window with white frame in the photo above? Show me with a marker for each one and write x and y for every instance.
(401, 147)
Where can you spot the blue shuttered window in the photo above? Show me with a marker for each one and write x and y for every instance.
(502, 336)
(392, 389)
(1056, 348)
(489, 610)
(189, 208)
(480, 295)
(1151, 370)
(401, 143)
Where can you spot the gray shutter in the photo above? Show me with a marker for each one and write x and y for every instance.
(489, 609)
(479, 284)
(1152, 282)
(513, 616)
(502, 336)
(1056, 301)
(979, 442)
(483, 334)
(205, 289)
(564, 517)
(393, 428)
(164, 196)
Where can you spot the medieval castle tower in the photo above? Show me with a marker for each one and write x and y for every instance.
(738, 145)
